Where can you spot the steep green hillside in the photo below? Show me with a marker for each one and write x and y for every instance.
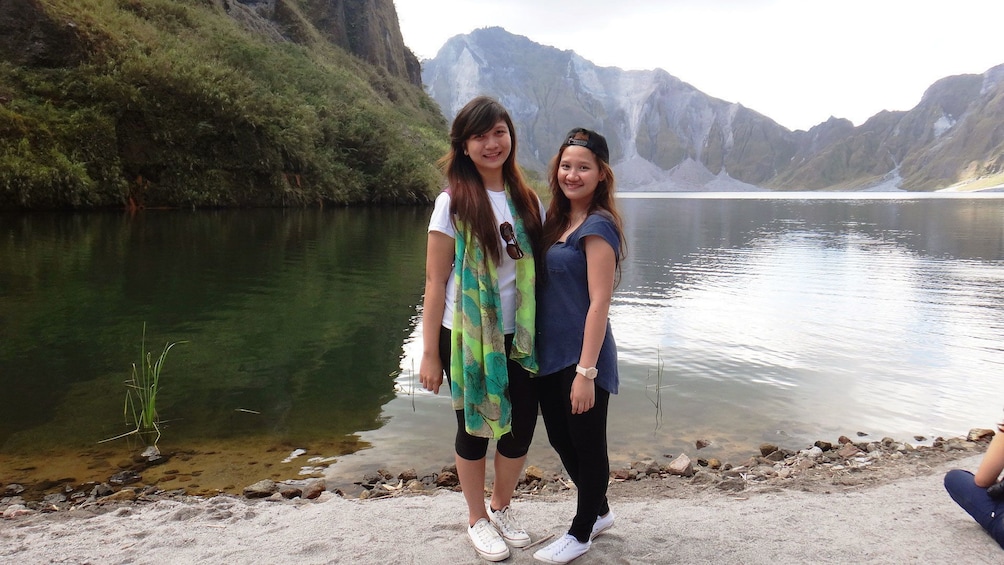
(174, 103)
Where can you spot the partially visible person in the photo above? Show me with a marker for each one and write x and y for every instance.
(982, 494)
(479, 314)
(584, 243)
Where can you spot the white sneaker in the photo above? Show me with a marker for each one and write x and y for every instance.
(505, 522)
(602, 524)
(487, 541)
(565, 549)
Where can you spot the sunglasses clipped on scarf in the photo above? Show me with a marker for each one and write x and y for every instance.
(511, 245)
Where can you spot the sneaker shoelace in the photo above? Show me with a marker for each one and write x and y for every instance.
(507, 520)
(481, 530)
(565, 541)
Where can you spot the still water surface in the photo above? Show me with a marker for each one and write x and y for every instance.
(739, 320)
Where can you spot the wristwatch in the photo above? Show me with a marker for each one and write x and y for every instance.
(588, 372)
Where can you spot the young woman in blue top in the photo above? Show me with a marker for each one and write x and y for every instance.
(583, 242)
(479, 314)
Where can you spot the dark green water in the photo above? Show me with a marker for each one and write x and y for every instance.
(293, 323)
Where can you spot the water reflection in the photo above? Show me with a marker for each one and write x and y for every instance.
(793, 317)
(791, 320)
(293, 322)
(783, 320)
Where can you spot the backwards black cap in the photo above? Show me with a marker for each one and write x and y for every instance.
(590, 140)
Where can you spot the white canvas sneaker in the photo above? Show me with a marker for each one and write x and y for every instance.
(505, 522)
(562, 551)
(602, 524)
(487, 541)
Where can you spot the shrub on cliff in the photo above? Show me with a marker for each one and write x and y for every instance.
(172, 103)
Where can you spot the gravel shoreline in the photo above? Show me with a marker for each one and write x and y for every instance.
(818, 468)
(876, 502)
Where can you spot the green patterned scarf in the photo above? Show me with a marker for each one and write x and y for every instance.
(480, 380)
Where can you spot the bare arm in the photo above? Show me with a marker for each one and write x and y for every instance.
(601, 264)
(438, 268)
(992, 463)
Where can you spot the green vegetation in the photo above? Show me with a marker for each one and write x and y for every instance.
(175, 104)
(660, 367)
(140, 408)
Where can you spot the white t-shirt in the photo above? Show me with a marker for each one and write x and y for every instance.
(442, 222)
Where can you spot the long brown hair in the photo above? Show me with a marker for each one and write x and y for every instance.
(559, 213)
(468, 199)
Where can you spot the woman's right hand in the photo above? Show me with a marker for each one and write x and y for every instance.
(430, 373)
(438, 269)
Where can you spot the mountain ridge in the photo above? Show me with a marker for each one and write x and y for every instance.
(662, 129)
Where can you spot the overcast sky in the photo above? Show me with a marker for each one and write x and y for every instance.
(796, 61)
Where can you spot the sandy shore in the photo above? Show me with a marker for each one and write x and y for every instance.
(900, 520)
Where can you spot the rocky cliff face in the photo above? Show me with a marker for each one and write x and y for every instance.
(367, 28)
(667, 135)
(962, 127)
(30, 37)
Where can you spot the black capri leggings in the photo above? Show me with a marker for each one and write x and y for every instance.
(522, 395)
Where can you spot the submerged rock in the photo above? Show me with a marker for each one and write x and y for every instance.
(126, 477)
(124, 495)
(13, 489)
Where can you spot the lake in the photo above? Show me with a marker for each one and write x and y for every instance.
(740, 319)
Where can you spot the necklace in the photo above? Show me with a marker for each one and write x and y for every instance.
(501, 216)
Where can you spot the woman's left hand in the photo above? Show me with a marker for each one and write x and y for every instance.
(583, 394)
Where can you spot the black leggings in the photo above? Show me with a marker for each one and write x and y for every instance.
(581, 442)
(523, 396)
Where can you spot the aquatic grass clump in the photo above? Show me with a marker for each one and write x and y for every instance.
(657, 401)
(140, 406)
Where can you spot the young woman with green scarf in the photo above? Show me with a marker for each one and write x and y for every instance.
(479, 312)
